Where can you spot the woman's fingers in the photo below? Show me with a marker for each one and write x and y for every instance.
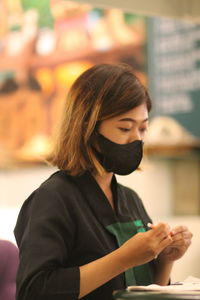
(179, 229)
(174, 242)
(180, 241)
(182, 236)
(167, 241)
(161, 234)
(161, 230)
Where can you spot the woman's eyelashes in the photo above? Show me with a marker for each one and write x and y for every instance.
(124, 129)
(141, 130)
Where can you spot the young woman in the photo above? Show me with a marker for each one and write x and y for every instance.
(81, 234)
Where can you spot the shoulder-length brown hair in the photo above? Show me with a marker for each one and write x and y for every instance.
(101, 92)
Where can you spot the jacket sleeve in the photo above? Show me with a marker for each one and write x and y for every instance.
(45, 234)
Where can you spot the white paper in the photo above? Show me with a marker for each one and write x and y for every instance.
(189, 285)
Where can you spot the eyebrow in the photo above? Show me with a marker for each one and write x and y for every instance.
(132, 120)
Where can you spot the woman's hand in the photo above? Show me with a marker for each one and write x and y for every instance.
(181, 240)
(145, 246)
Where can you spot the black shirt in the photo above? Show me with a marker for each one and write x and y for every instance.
(68, 222)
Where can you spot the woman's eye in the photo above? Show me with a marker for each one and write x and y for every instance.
(143, 130)
(124, 129)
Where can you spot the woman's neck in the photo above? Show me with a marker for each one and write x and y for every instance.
(105, 184)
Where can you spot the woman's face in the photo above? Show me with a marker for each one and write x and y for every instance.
(126, 127)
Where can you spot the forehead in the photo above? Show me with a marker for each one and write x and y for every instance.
(139, 113)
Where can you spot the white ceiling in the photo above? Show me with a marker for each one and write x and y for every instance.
(183, 9)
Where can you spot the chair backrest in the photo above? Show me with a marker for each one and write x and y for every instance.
(9, 260)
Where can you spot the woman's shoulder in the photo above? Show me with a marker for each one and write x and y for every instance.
(59, 179)
(56, 190)
(54, 197)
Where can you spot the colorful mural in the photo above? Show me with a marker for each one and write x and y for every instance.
(44, 46)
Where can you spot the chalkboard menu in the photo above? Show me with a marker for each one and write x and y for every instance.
(174, 71)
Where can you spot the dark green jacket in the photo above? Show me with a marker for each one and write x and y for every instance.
(68, 222)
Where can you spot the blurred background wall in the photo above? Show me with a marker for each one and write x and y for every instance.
(45, 45)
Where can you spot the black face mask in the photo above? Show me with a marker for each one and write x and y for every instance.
(121, 159)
